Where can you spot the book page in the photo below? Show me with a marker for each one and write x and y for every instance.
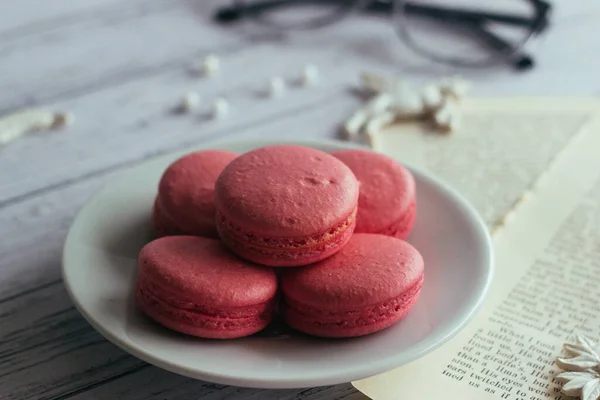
(499, 150)
(545, 291)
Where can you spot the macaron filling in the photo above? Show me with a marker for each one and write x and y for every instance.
(196, 315)
(289, 243)
(402, 226)
(177, 301)
(282, 250)
(359, 317)
(162, 223)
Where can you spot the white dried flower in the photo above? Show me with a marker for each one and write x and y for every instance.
(432, 96)
(455, 87)
(189, 102)
(220, 108)
(372, 140)
(380, 84)
(210, 65)
(377, 123)
(407, 105)
(377, 106)
(354, 124)
(310, 75)
(62, 119)
(15, 125)
(276, 86)
(379, 103)
(447, 117)
(582, 366)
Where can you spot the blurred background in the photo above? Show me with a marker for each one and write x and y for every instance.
(118, 68)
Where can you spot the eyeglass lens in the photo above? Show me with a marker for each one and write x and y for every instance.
(463, 32)
(298, 14)
(458, 31)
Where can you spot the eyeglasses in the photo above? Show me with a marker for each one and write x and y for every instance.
(465, 33)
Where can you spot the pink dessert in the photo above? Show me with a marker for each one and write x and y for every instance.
(371, 284)
(387, 202)
(194, 285)
(286, 205)
(185, 203)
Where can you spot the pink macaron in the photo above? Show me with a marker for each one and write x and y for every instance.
(196, 286)
(286, 205)
(387, 202)
(371, 284)
(185, 202)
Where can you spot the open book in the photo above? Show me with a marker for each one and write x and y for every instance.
(532, 169)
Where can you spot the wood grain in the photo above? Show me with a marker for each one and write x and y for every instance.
(43, 216)
(101, 51)
(50, 351)
(103, 139)
(120, 66)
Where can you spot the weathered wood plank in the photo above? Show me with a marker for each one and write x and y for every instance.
(106, 49)
(50, 349)
(51, 352)
(32, 230)
(119, 66)
(118, 126)
(154, 384)
(31, 17)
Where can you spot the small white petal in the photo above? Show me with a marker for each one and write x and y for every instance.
(220, 108)
(13, 126)
(407, 105)
(447, 117)
(585, 343)
(211, 64)
(455, 87)
(372, 140)
(379, 103)
(276, 86)
(580, 363)
(574, 349)
(375, 124)
(310, 75)
(573, 387)
(354, 124)
(567, 376)
(432, 96)
(591, 390)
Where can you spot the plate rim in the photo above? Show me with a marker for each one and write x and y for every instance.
(284, 382)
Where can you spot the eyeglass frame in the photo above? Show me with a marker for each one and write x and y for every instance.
(473, 20)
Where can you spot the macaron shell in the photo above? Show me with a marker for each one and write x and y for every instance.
(162, 224)
(370, 284)
(219, 326)
(354, 323)
(286, 191)
(370, 269)
(387, 201)
(196, 286)
(186, 193)
(402, 228)
(286, 252)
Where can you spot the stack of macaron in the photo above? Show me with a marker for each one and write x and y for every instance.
(287, 230)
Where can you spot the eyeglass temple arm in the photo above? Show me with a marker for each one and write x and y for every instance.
(538, 23)
(235, 12)
(520, 61)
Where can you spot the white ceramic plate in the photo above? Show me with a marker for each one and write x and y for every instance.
(99, 269)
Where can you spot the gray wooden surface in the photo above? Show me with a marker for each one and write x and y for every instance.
(119, 66)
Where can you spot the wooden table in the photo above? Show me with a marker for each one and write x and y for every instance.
(119, 67)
